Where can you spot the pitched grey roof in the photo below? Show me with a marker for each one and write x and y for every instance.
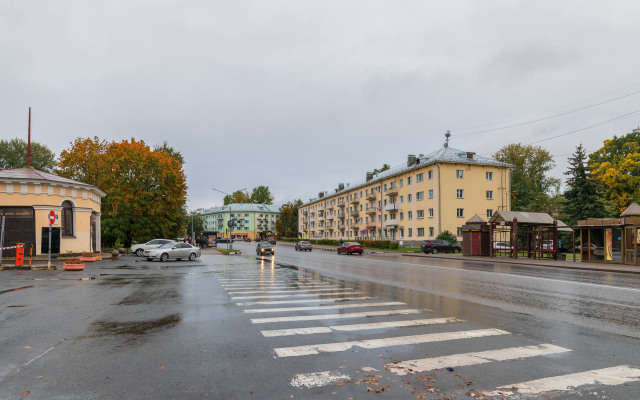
(445, 154)
(243, 207)
(534, 218)
(32, 174)
(632, 210)
(476, 220)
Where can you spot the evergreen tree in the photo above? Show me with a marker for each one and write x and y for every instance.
(583, 198)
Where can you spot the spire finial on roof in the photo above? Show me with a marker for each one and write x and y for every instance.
(29, 141)
(447, 135)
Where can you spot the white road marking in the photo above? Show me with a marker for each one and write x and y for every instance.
(466, 359)
(357, 327)
(291, 290)
(35, 358)
(297, 351)
(280, 286)
(318, 379)
(606, 376)
(295, 301)
(515, 276)
(336, 316)
(286, 296)
(316, 308)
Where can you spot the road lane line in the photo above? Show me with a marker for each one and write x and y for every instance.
(278, 286)
(287, 296)
(607, 376)
(297, 351)
(318, 379)
(297, 318)
(357, 327)
(296, 301)
(357, 305)
(288, 291)
(514, 276)
(466, 359)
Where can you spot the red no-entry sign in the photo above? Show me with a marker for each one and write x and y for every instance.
(52, 217)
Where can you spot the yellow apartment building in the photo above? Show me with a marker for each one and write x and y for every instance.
(413, 202)
(28, 196)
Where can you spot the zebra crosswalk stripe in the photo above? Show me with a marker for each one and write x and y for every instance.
(297, 318)
(357, 327)
(296, 301)
(317, 379)
(607, 376)
(287, 296)
(297, 351)
(466, 359)
(288, 291)
(317, 308)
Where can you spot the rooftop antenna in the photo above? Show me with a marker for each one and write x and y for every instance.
(447, 135)
(29, 141)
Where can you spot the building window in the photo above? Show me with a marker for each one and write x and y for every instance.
(459, 174)
(401, 232)
(420, 196)
(429, 175)
(419, 177)
(408, 180)
(460, 193)
(420, 213)
(489, 176)
(401, 199)
(489, 213)
(459, 231)
(409, 198)
(401, 215)
(401, 183)
(460, 212)
(67, 218)
(410, 233)
(431, 231)
(420, 231)
(409, 214)
(431, 213)
(430, 193)
(489, 194)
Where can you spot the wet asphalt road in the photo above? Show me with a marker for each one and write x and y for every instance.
(133, 329)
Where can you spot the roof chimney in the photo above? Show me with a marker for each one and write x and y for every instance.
(369, 176)
(411, 159)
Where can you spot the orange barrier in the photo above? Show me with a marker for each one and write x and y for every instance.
(20, 254)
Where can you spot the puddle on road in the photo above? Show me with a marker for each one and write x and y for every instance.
(151, 297)
(136, 328)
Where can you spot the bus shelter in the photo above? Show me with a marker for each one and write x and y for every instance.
(530, 234)
(611, 240)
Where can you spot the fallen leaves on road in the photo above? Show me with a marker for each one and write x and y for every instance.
(161, 368)
(25, 394)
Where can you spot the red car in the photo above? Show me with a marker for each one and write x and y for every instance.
(247, 239)
(350, 247)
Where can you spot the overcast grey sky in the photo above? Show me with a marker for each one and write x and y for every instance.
(301, 95)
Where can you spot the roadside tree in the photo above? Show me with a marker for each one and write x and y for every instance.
(583, 198)
(617, 166)
(531, 188)
(13, 154)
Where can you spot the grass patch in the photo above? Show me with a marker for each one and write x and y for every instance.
(227, 251)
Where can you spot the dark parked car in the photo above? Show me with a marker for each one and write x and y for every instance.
(223, 240)
(264, 248)
(435, 246)
(247, 240)
(350, 247)
(303, 245)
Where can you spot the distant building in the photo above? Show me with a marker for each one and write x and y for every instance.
(27, 196)
(250, 220)
(413, 202)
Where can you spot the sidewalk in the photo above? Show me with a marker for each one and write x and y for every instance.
(569, 264)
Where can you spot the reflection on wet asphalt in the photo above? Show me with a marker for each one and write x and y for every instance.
(108, 328)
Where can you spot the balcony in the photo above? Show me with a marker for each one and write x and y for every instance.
(320, 219)
(354, 213)
(355, 201)
(320, 207)
(355, 227)
(305, 212)
(371, 226)
(391, 223)
(371, 210)
(341, 226)
(312, 220)
(330, 217)
(392, 192)
(340, 203)
(371, 197)
(341, 215)
(391, 207)
(320, 228)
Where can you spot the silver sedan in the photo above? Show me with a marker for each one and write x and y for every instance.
(176, 251)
